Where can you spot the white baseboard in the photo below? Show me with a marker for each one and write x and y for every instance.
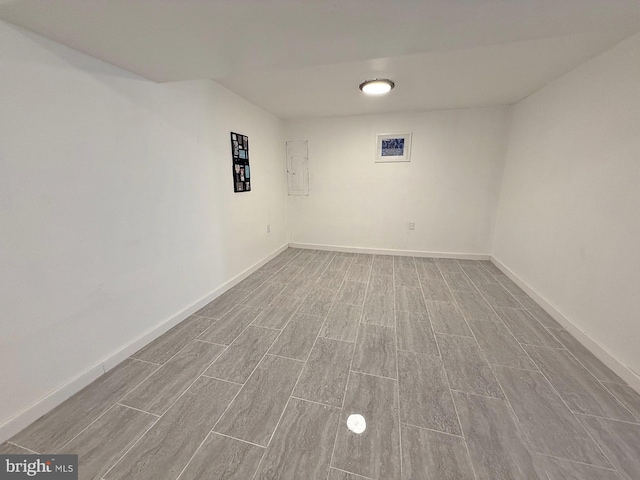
(386, 251)
(23, 419)
(606, 357)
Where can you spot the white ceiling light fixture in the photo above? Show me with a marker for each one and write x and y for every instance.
(377, 86)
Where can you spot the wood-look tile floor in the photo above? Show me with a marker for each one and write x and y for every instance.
(457, 372)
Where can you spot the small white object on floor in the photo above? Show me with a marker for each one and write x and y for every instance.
(356, 423)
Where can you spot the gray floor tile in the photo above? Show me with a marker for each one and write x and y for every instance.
(342, 322)
(7, 448)
(474, 307)
(303, 258)
(324, 256)
(302, 444)
(458, 281)
(168, 344)
(466, 262)
(96, 423)
(273, 265)
(318, 302)
(335, 474)
(559, 469)
(225, 302)
(620, 442)
(298, 337)
(289, 254)
(511, 287)
(374, 453)
(578, 388)
(403, 262)
(429, 270)
(419, 260)
(499, 346)
(253, 281)
(300, 287)
(410, 300)
(187, 424)
(490, 267)
(101, 445)
(157, 393)
(254, 413)
(331, 280)
(262, 296)
(429, 455)
(549, 425)
(527, 329)
(278, 313)
(363, 259)
(285, 275)
(359, 273)
(425, 398)
(538, 312)
(352, 293)
(446, 318)
(498, 449)
(375, 351)
(324, 377)
(415, 334)
(586, 358)
(436, 289)
(478, 275)
(380, 285)
(292, 252)
(382, 267)
(497, 296)
(466, 367)
(448, 265)
(340, 263)
(224, 458)
(237, 362)
(627, 396)
(378, 310)
(406, 277)
(314, 269)
(225, 330)
(64, 422)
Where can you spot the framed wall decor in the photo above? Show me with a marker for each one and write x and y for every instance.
(240, 157)
(393, 147)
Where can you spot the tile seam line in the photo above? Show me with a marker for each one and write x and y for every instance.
(183, 393)
(529, 446)
(117, 401)
(446, 374)
(299, 373)
(161, 416)
(397, 389)
(346, 385)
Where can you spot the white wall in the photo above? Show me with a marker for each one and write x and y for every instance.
(569, 214)
(117, 209)
(449, 189)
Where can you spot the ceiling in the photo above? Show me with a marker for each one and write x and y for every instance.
(303, 58)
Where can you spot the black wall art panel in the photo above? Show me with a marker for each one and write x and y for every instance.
(240, 155)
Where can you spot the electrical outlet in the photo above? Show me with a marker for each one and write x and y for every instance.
(412, 226)
(268, 228)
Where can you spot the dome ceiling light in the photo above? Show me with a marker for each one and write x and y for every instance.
(377, 86)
